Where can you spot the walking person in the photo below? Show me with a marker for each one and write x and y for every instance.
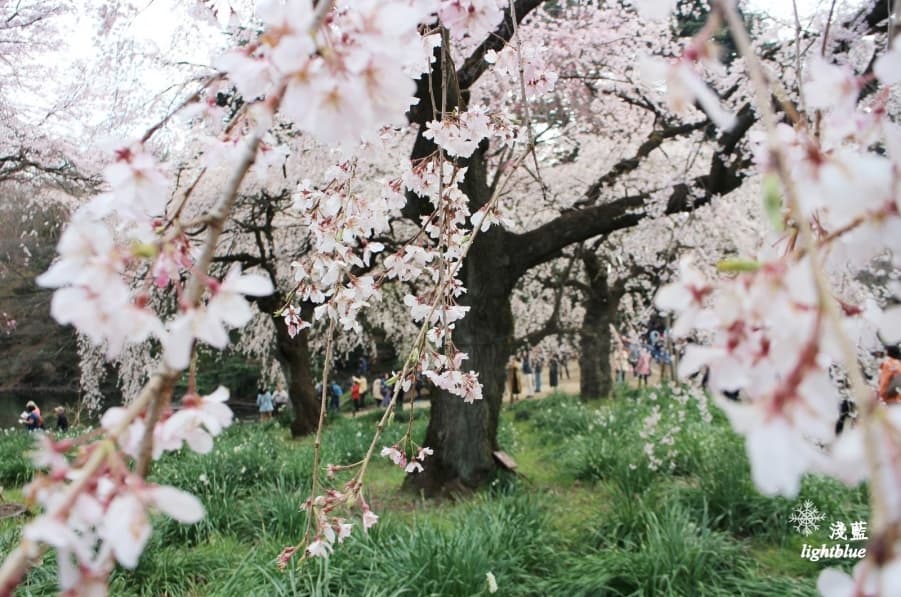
(514, 378)
(31, 417)
(37, 409)
(279, 398)
(564, 362)
(364, 389)
(360, 380)
(621, 363)
(527, 374)
(890, 375)
(355, 395)
(634, 354)
(62, 421)
(265, 404)
(643, 367)
(336, 391)
(377, 391)
(536, 367)
(553, 371)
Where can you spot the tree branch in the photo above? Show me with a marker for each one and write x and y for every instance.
(654, 140)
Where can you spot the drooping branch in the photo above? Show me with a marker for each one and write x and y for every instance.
(653, 141)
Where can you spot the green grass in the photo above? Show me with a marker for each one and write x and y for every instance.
(587, 516)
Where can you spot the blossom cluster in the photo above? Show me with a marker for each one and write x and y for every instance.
(95, 509)
(528, 60)
(116, 251)
(348, 77)
(196, 423)
(398, 456)
(342, 223)
(460, 134)
(330, 528)
(779, 335)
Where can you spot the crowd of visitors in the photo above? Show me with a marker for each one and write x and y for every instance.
(525, 369)
(359, 389)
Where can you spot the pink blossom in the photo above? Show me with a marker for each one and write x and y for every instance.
(470, 18)
(830, 86)
(227, 308)
(395, 455)
(888, 66)
(200, 419)
(50, 454)
(686, 297)
(125, 529)
(293, 320)
(285, 556)
(344, 529)
(139, 187)
(685, 87)
(319, 548)
(369, 518)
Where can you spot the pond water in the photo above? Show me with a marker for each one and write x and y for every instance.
(12, 403)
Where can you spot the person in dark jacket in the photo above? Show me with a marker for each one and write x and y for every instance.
(62, 421)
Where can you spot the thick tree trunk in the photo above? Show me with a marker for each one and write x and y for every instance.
(596, 380)
(464, 436)
(601, 303)
(293, 355)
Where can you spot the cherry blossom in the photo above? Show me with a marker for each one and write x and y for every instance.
(139, 187)
(685, 87)
(369, 519)
(227, 308)
(472, 18)
(888, 66)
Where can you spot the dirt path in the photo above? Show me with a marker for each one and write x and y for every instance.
(566, 385)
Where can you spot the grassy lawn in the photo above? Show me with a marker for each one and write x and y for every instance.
(591, 513)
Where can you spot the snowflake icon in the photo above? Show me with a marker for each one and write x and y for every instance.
(806, 518)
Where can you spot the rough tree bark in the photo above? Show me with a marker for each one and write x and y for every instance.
(464, 436)
(601, 304)
(293, 355)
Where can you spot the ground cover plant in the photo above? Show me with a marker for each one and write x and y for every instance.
(590, 512)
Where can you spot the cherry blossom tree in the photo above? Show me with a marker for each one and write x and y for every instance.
(480, 86)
